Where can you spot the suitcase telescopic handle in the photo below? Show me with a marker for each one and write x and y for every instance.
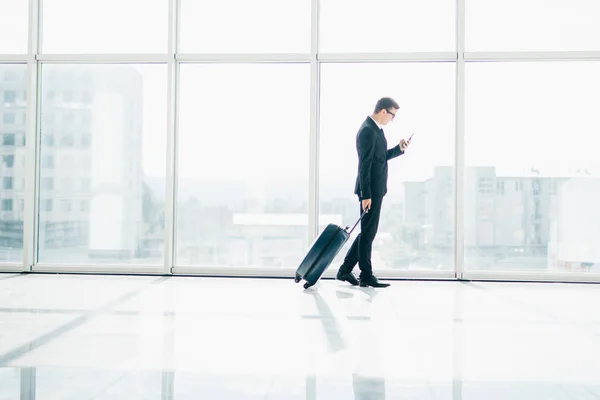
(361, 217)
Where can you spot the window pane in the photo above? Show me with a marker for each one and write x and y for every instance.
(13, 79)
(243, 165)
(416, 226)
(8, 182)
(14, 18)
(531, 133)
(520, 25)
(8, 138)
(8, 161)
(109, 26)
(7, 204)
(124, 178)
(10, 96)
(242, 26)
(10, 378)
(387, 25)
(9, 118)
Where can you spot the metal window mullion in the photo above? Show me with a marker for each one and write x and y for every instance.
(108, 269)
(491, 56)
(171, 156)
(441, 56)
(287, 271)
(533, 276)
(246, 58)
(313, 159)
(459, 165)
(13, 58)
(105, 58)
(32, 141)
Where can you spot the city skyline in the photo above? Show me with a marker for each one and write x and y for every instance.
(86, 113)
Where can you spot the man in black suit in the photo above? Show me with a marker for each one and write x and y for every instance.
(371, 186)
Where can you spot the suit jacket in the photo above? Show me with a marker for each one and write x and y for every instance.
(373, 156)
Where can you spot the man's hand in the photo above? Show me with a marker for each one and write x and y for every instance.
(404, 144)
(366, 204)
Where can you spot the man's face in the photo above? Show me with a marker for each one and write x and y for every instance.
(388, 115)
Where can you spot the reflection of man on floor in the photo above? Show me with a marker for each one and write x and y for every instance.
(365, 387)
(368, 387)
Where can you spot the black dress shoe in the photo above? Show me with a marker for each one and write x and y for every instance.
(372, 281)
(348, 277)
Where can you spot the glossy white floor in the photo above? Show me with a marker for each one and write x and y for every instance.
(118, 337)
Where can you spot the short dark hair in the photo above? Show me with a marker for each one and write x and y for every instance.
(386, 103)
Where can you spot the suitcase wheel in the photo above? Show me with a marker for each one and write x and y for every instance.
(298, 278)
(307, 285)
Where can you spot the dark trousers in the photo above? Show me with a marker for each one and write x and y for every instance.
(360, 251)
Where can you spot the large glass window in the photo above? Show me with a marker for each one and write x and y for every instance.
(13, 80)
(521, 25)
(101, 200)
(416, 227)
(242, 181)
(387, 25)
(108, 26)
(532, 185)
(14, 17)
(242, 26)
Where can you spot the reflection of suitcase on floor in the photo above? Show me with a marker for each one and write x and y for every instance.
(322, 252)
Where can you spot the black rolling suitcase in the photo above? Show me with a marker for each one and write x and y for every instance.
(323, 251)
